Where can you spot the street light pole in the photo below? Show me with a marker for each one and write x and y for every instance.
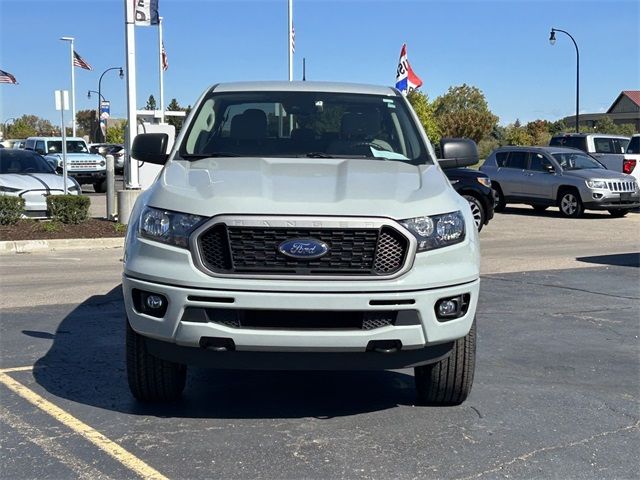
(4, 127)
(552, 40)
(121, 75)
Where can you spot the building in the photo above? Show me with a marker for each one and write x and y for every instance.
(624, 109)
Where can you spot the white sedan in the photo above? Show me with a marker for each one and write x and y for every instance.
(26, 174)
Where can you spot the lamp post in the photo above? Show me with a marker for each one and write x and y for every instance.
(4, 125)
(552, 40)
(100, 97)
(121, 75)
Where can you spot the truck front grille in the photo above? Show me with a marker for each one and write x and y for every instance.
(621, 186)
(229, 249)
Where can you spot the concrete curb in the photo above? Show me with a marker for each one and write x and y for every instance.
(29, 246)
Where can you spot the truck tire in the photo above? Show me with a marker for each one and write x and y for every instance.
(152, 379)
(100, 187)
(501, 203)
(477, 209)
(569, 203)
(449, 381)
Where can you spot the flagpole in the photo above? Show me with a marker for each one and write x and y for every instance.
(73, 93)
(131, 165)
(290, 40)
(161, 70)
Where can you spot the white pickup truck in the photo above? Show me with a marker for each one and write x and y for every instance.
(301, 225)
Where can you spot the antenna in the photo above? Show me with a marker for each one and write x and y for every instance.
(304, 69)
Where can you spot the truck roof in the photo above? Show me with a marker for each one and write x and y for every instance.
(299, 86)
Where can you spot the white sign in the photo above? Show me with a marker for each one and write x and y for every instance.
(62, 99)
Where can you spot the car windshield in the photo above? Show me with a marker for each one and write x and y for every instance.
(576, 161)
(73, 146)
(23, 162)
(304, 124)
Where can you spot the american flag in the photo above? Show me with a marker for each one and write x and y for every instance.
(78, 61)
(164, 58)
(293, 39)
(6, 77)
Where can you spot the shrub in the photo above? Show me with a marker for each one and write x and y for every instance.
(68, 208)
(51, 227)
(11, 209)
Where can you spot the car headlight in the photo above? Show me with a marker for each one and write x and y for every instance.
(596, 184)
(436, 231)
(8, 189)
(486, 181)
(168, 227)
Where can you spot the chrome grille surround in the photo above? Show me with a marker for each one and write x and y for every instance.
(315, 223)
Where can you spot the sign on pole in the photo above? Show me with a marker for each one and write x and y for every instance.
(62, 104)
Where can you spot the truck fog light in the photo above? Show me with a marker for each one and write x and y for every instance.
(452, 307)
(154, 302)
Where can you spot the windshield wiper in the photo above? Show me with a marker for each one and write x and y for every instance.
(318, 155)
(198, 156)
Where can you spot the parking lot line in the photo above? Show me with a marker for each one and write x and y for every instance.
(108, 446)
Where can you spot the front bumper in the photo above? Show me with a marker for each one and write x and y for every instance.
(607, 200)
(427, 333)
(88, 177)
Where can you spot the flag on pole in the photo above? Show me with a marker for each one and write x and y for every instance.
(293, 39)
(406, 80)
(78, 61)
(165, 60)
(146, 13)
(6, 77)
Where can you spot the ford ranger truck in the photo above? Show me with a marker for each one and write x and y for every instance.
(301, 225)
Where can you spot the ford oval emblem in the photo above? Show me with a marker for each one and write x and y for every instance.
(303, 248)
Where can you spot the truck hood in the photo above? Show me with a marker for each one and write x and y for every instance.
(598, 174)
(34, 181)
(285, 186)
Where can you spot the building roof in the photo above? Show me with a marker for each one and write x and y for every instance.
(633, 95)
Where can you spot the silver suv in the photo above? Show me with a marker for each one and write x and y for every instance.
(566, 177)
(301, 225)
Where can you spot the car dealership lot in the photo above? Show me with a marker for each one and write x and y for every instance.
(556, 391)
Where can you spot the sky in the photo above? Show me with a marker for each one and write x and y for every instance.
(501, 47)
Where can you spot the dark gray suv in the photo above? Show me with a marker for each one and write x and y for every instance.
(565, 177)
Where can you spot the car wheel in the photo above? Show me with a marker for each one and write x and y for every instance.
(477, 210)
(570, 204)
(501, 204)
(539, 208)
(618, 213)
(100, 187)
(449, 381)
(152, 379)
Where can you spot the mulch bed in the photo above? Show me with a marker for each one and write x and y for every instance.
(46, 230)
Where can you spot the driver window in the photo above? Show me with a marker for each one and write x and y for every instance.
(538, 162)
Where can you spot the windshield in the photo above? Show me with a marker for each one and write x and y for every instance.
(23, 162)
(576, 161)
(304, 124)
(73, 146)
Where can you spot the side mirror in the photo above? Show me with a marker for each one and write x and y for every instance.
(458, 152)
(150, 147)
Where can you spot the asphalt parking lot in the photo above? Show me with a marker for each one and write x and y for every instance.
(556, 393)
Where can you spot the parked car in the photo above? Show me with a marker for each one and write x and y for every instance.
(565, 177)
(607, 149)
(26, 174)
(631, 163)
(114, 149)
(82, 165)
(331, 240)
(13, 143)
(475, 187)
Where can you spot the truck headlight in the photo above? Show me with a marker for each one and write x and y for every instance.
(436, 231)
(486, 181)
(596, 184)
(168, 227)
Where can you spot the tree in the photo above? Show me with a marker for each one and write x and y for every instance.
(463, 112)
(115, 133)
(86, 120)
(151, 103)
(606, 125)
(177, 122)
(538, 130)
(425, 112)
(29, 126)
(516, 134)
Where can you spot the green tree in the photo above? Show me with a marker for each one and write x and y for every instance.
(115, 133)
(177, 122)
(86, 120)
(29, 126)
(463, 112)
(151, 103)
(538, 130)
(557, 127)
(516, 134)
(425, 112)
(606, 125)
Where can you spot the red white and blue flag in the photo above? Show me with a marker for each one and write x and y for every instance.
(406, 80)
(6, 77)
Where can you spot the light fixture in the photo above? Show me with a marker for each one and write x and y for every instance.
(552, 37)
(89, 94)
(121, 74)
